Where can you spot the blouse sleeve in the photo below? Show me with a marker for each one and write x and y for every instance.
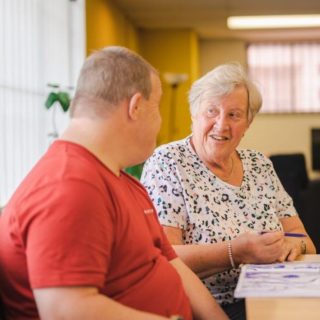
(161, 179)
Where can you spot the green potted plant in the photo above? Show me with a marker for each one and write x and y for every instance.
(60, 98)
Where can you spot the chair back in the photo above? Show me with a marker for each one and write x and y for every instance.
(292, 172)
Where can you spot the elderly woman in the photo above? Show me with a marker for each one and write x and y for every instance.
(220, 206)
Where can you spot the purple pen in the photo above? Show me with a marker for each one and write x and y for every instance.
(295, 235)
(289, 234)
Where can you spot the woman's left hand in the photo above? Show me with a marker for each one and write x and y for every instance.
(294, 247)
(291, 249)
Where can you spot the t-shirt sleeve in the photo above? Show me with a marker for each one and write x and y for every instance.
(68, 236)
(284, 203)
(160, 177)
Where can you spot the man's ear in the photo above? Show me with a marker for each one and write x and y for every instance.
(134, 106)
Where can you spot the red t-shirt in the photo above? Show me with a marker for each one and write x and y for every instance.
(72, 222)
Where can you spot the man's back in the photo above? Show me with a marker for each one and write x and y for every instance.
(75, 223)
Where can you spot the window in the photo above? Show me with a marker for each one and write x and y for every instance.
(288, 75)
(42, 41)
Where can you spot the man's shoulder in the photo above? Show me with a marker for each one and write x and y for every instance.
(72, 161)
(58, 166)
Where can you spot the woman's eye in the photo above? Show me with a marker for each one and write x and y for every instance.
(211, 112)
(235, 115)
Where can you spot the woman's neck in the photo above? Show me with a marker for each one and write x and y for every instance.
(226, 168)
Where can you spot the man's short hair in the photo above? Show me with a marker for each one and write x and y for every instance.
(111, 75)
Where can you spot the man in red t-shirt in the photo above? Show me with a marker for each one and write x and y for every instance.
(80, 238)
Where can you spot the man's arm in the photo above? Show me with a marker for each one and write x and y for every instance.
(84, 303)
(204, 307)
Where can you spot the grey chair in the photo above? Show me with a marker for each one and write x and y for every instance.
(292, 172)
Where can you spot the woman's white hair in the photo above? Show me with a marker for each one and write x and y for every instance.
(220, 82)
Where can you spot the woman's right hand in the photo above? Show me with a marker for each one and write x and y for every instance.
(257, 248)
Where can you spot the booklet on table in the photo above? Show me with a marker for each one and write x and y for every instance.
(287, 279)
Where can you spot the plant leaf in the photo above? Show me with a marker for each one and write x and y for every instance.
(64, 100)
(51, 99)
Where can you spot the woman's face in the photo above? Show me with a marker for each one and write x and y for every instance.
(219, 125)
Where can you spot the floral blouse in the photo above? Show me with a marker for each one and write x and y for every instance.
(189, 196)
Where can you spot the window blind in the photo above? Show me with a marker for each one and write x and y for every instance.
(288, 75)
(39, 44)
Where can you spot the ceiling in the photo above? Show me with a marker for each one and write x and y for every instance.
(208, 17)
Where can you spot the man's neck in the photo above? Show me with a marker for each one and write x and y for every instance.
(100, 141)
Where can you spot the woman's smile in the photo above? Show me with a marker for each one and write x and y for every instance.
(219, 138)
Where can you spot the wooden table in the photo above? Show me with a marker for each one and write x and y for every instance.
(285, 308)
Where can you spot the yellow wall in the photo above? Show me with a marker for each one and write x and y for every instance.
(169, 51)
(277, 133)
(106, 25)
(174, 51)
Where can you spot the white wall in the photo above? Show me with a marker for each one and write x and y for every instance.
(277, 133)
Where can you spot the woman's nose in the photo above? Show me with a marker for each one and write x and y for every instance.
(221, 122)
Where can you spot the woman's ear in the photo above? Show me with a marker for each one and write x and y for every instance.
(134, 106)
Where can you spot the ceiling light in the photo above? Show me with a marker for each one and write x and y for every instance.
(269, 22)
